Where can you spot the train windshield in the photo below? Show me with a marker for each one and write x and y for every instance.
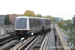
(21, 23)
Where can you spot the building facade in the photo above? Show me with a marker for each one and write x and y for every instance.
(73, 20)
(58, 19)
(2, 18)
(12, 18)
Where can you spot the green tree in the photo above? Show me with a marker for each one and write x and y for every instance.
(6, 21)
(29, 13)
(52, 19)
(68, 21)
(39, 15)
(71, 37)
(74, 20)
(48, 16)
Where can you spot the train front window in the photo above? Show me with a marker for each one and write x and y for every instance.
(21, 23)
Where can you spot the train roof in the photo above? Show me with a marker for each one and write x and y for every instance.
(31, 17)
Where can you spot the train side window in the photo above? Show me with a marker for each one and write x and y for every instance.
(48, 22)
(30, 22)
(38, 22)
(44, 21)
(34, 23)
(41, 22)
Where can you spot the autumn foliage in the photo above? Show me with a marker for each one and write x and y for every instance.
(29, 13)
(32, 14)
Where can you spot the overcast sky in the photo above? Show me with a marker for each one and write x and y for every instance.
(56, 8)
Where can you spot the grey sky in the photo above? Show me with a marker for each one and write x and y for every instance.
(56, 8)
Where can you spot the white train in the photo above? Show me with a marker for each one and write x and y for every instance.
(27, 26)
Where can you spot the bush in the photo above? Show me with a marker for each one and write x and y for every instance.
(62, 26)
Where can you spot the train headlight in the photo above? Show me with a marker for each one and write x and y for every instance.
(32, 33)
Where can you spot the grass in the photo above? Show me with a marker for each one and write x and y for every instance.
(63, 30)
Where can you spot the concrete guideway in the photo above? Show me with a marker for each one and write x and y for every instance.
(51, 43)
(61, 43)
